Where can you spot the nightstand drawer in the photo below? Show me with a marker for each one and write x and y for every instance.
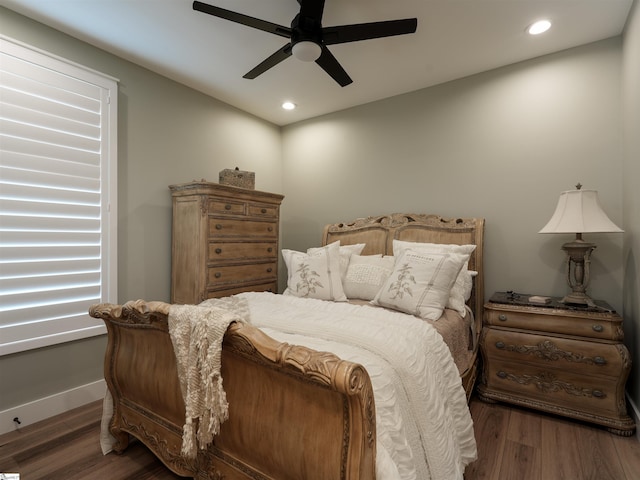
(555, 388)
(603, 326)
(582, 357)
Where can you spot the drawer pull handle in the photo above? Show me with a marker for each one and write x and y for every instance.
(502, 374)
(218, 251)
(218, 226)
(598, 394)
(218, 275)
(599, 361)
(264, 210)
(270, 249)
(227, 207)
(270, 229)
(269, 270)
(502, 317)
(597, 328)
(500, 345)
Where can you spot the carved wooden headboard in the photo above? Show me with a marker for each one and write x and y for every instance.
(378, 234)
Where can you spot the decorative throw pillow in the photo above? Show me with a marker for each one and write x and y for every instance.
(461, 290)
(345, 254)
(420, 283)
(314, 275)
(366, 275)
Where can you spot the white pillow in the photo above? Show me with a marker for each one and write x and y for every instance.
(316, 274)
(461, 290)
(420, 283)
(345, 254)
(366, 275)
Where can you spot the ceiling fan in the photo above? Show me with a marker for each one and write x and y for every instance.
(309, 39)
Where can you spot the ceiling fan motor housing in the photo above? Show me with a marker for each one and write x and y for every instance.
(306, 29)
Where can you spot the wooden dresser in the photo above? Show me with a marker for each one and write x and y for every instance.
(224, 241)
(563, 360)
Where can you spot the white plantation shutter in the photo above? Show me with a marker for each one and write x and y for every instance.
(57, 198)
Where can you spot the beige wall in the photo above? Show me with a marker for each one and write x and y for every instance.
(631, 197)
(167, 134)
(500, 145)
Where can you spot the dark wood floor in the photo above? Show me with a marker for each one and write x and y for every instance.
(512, 444)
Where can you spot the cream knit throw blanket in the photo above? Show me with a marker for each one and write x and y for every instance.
(197, 332)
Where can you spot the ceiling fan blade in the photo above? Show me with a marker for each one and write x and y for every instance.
(243, 19)
(312, 8)
(330, 65)
(271, 61)
(367, 31)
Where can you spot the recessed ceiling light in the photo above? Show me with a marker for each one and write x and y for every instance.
(288, 105)
(539, 27)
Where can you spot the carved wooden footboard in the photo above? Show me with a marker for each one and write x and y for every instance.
(294, 413)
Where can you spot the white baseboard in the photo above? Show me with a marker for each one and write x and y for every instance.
(46, 407)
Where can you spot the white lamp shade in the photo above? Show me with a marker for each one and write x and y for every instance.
(307, 51)
(579, 211)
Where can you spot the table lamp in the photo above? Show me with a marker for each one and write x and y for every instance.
(579, 211)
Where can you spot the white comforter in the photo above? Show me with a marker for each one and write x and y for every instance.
(423, 423)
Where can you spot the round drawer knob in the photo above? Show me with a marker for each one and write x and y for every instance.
(227, 207)
(598, 394)
(269, 249)
(502, 374)
(264, 210)
(269, 270)
(218, 251)
(502, 317)
(598, 328)
(218, 275)
(599, 361)
(218, 226)
(270, 229)
(500, 345)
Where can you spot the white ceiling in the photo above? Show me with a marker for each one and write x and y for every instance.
(455, 38)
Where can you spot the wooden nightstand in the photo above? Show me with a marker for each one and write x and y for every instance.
(560, 359)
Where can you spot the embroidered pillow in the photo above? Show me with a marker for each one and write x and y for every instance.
(420, 283)
(366, 275)
(314, 275)
(461, 290)
(345, 254)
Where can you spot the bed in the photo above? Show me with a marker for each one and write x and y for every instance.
(296, 410)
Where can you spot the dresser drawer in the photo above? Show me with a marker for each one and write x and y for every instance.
(262, 210)
(588, 358)
(603, 326)
(221, 251)
(556, 388)
(226, 292)
(229, 207)
(219, 275)
(227, 227)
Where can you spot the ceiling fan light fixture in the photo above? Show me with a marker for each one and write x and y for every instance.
(307, 51)
(538, 27)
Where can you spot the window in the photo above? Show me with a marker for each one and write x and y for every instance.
(58, 235)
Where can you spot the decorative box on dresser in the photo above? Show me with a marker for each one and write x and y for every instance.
(224, 241)
(556, 358)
